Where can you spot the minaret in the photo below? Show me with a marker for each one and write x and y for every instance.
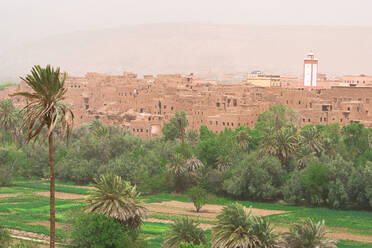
(310, 70)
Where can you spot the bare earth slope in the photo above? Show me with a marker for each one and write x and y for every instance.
(207, 49)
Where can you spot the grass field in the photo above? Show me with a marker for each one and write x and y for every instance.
(22, 209)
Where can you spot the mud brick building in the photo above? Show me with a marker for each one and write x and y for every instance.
(142, 105)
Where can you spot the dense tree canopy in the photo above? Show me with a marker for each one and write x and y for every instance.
(316, 165)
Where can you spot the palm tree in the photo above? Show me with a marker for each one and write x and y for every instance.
(44, 109)
(181, 125)
(243, 139)
(237, 228)
(8, 115)
(118, 199)
(281, 143)
(184, 230)
(308, 234)
(312, 138)
(224, 162)
(177, 167)
(193, 164)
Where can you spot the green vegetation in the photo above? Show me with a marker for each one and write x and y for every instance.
(44, 110)
(184, 230)
(198, 196)
(4, 237)
(307, 233)
(320, 171)
(237, 227)
(95, 230)
(118, 199)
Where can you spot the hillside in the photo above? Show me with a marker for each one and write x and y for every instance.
(207, 49)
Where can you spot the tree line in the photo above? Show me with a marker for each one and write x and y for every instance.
(319, 165)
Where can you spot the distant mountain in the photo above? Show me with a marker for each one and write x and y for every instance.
(206, 49)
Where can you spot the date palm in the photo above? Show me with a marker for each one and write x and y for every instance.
(184, 230)
(237, 228)
(312, 138)
(44, 109)
(8, 115)
(224, 162)
(181, 125)
(308, 234)
(116, 198)
(243, 139)
(193, 164)
(281, 143)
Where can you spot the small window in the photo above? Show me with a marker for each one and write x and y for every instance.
(223, 123)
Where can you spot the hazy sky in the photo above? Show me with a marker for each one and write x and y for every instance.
(24, 20)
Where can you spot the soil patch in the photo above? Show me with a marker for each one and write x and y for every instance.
(208, 211)
(47, 224)
(9, 195)
(61, 195)
(336, 235)
(203, 226)
(73, 186)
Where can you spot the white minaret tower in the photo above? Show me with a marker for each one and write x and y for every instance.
(310, 70)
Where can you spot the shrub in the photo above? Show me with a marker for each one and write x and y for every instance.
(292, 190)
(4, 237)
(339, 173)
(255, 179)
(315, 183)
(99, 231)
(198, 196)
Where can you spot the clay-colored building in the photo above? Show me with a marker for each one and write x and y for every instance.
(142, 105)
(258, 78)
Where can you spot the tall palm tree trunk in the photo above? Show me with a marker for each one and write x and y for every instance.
(52, 193)
(183, 144)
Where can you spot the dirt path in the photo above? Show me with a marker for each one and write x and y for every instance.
(208, 211)
(73, 186)
(337, 235)
(61, 195)
(30, 236)
(10, 195)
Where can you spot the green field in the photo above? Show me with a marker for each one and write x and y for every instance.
(28, 211)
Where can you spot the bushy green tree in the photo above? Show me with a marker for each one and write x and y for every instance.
(99, 231)
(338, 176)
(198, 196)
(315, 183)
(255, 179)
(276, 117)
